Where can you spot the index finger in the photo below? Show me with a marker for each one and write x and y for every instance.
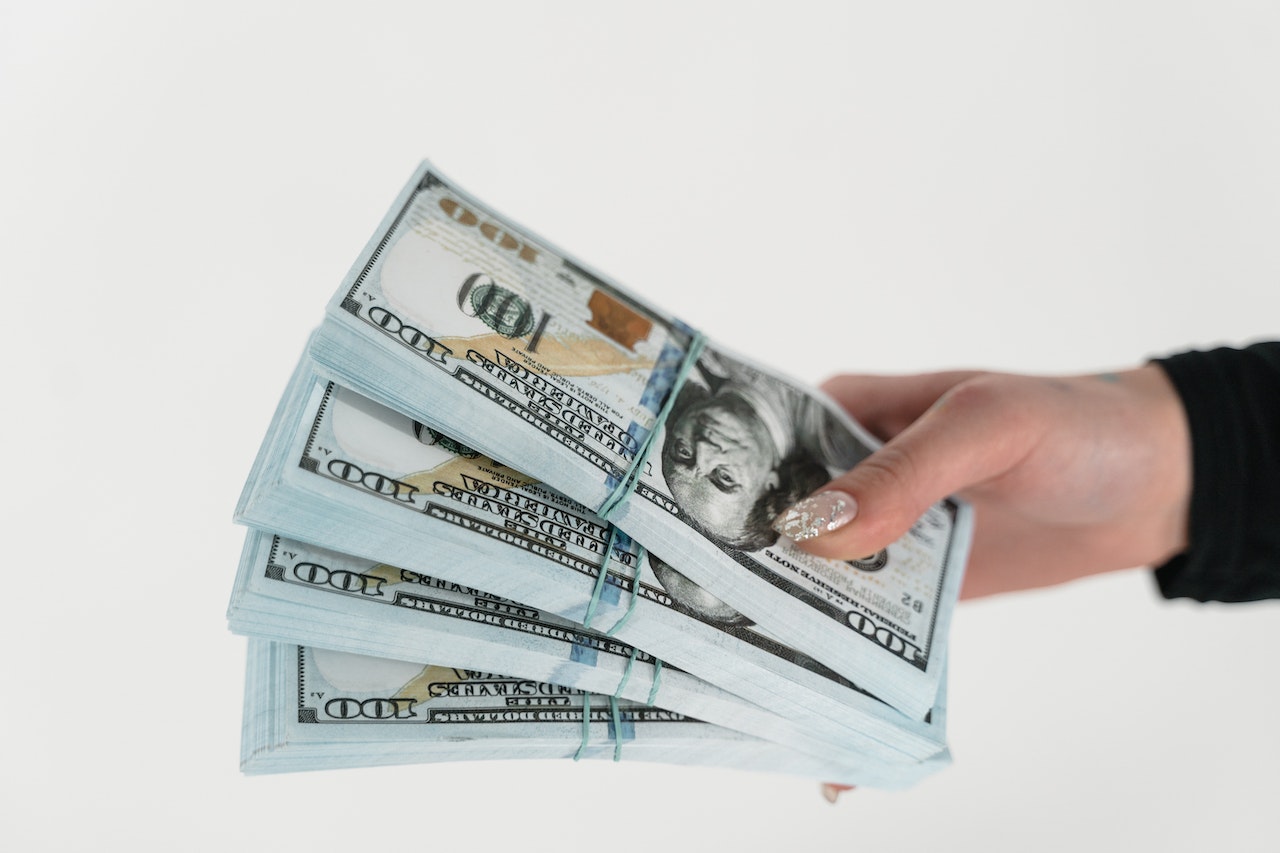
(886, 405)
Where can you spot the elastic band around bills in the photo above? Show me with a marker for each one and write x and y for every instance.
(604, 570)
(617, 728)
(657, 682)
(626, 673)
(586, 725)
(635, 592)
(628, 483)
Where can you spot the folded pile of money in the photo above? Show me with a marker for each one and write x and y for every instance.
(507, 509)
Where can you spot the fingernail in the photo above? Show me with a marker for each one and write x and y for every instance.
(816, 515)
(831, 792)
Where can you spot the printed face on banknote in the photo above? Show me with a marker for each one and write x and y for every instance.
(718, 461)
(693, 599)
(739, 448)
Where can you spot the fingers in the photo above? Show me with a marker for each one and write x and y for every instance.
(886, 405)
(831, 791)
(976, 431)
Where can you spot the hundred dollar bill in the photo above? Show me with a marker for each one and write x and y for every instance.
(310, 709)
(345, 473)
(290, 591)
(479, 329)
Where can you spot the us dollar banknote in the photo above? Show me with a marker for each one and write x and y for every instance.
(476, 327)
(291, 591)
(345, 473)
(309, 709)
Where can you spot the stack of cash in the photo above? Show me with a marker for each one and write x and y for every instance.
(507, 508)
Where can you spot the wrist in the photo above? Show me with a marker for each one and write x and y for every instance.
(1165, 430)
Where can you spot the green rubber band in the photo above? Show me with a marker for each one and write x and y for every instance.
(586, 725)
(635, 592)
(657, 682)
(626, 673)
(617, 728)
(604, 570)
(628, 484)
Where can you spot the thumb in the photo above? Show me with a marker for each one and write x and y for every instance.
(973, 433)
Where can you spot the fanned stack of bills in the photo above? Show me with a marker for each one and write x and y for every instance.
(494, 460)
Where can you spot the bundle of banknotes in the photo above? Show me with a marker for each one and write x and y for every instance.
(509, 509)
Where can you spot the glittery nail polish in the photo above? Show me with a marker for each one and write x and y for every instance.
(816, 515)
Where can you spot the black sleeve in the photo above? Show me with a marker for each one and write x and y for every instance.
(1232, 401)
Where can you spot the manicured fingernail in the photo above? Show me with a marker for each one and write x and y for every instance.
(816, 515)
(831, 792)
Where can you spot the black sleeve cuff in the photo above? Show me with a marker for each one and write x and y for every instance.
(1232, 401)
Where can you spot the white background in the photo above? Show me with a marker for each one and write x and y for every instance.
(825, 186)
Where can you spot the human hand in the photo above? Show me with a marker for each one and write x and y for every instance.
(1068, 476)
